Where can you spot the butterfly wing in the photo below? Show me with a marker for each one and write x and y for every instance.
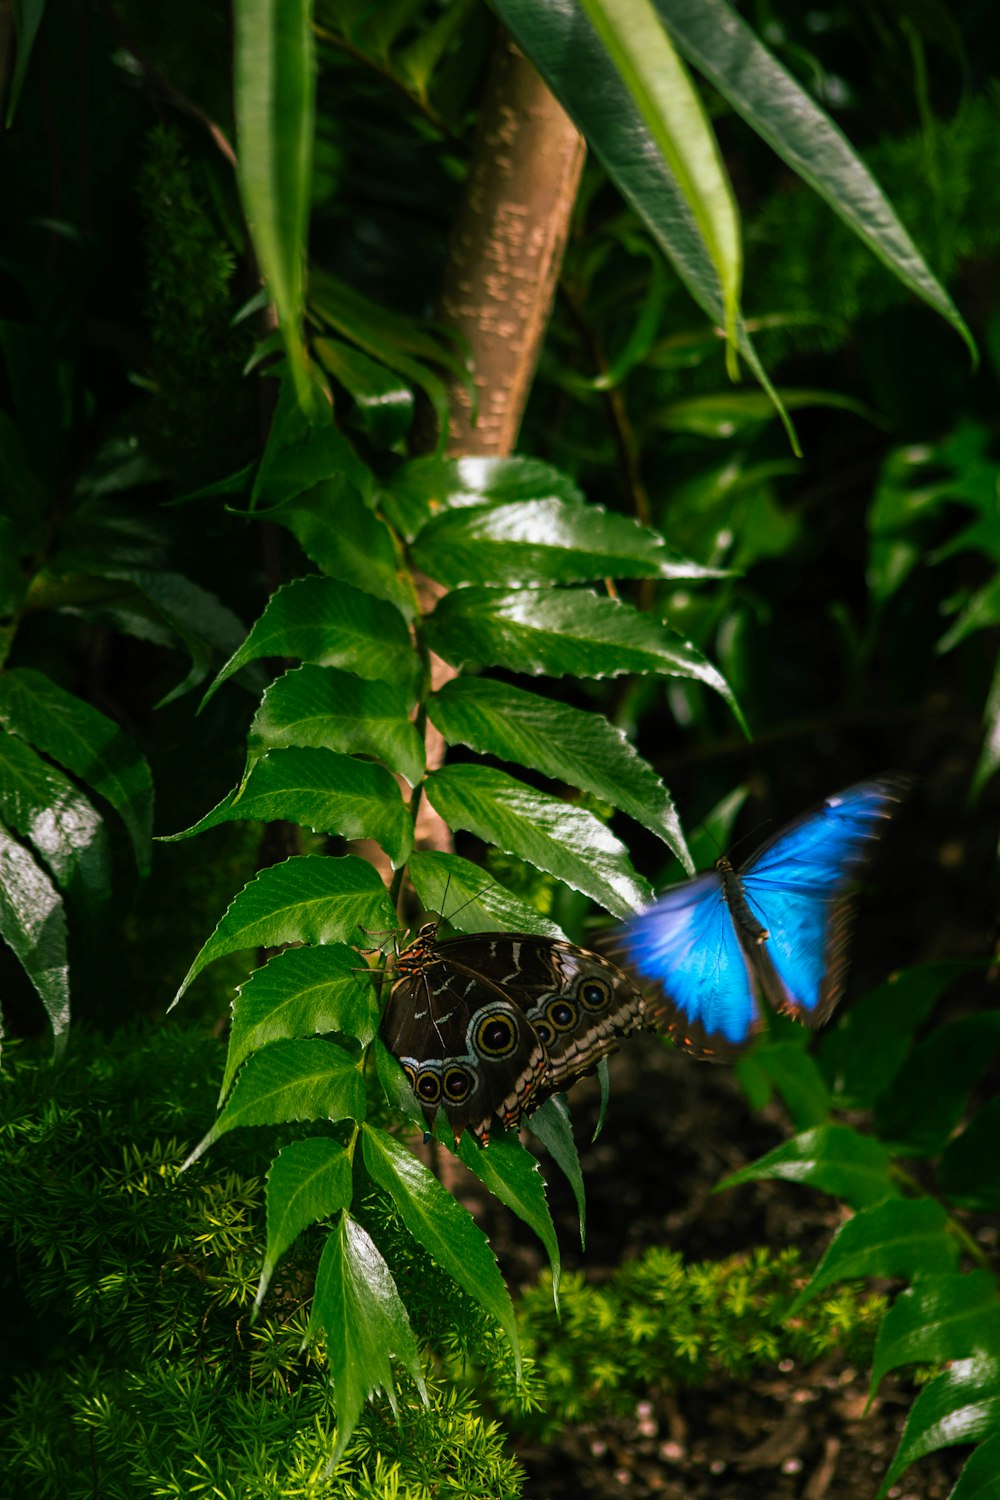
(797, 887)
(686, 947)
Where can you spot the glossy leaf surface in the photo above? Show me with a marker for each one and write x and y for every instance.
(835, 1158)
(33, 925)
(900, 1237)
(308, 1180)
(468, 900)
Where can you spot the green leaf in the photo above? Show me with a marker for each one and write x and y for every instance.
(345, 539)
(297, 992)
(27, 18)
(301, 454)
(40, 803)
(512, 1175)
(980, 1478)
(33, 925)
(674, 117)
(425, 486)
(939, 1319)
(580, 73)
(925, 1101)
(357, 1306)
(445, 1229)
(870, 1045)
(900, 1237)
(989, 756)
(579, 748)
(968, 1172)
(552, 540)
(961, 1406)
(726, 414)
(562, 633)
(321, 790)
(310, 898)
(550, 1123)
(275, 109)
(725, 49)
(322, 707)
(87, 743)
(325, 621)
(384, 401)
(835, 1158)
(469, 900)
(394, 340)
(794, 1073)
(981, 612)
(296, 1080)
(567, 841)
(308, 1181)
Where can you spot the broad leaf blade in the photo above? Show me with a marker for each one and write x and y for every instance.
(45, 807)
(87, 743)
(961, 1406)
(308, 1181)
(323, 620)
(310, 898)
(512, 1175)
(426, 487)
(941, 1318)
(465, 896)
(333, 710)
(968, 1170)
(833, 1157)
(33, 925)
(321, 790)
(926, 1099)
(549, 540)
(980, 1479)
(298, 992)
(581, 749)
(567, 841)
(550, 1123)
(900, 1237)
(357, 1306)
(445, 1229)
(300, 1080)
(562, 632)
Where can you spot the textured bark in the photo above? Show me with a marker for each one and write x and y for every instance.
(500, 281)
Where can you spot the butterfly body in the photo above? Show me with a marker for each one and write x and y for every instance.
(489, 1025)
(777, 928)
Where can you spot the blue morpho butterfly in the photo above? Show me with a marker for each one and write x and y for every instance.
(776, 928)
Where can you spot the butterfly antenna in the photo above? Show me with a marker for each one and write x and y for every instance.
(472, 899)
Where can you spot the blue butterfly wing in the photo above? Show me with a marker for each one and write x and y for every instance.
(686, 949)
(797, 887)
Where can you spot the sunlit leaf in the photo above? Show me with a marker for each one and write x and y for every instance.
(939, 1319)
(46, 808)
(469, 900)
(33, 925)
(961, 1406)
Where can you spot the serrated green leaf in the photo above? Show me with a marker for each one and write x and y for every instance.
(424, 487)
(581, 749)
(87, 743)
(384, 401)
(925, 1100)
(512, 1175)
(560, 632)
(297, 992)
(310, 898)
(321, 790)
(357, 1306)
(308, 1181)
(345, 539)
(961, 1406)
(550, 540)
(40, 803)
(301, 454)
(396, 1086)
(469, 900)
(550, 1123)
(275, 78)
(980, 1479)
(729, 54)
(567, 841)
(322, 707)
(940, 1319)
(445, 1229)
(835, 1158)
(968, 1170)
(900, 1237)
(33, 925)
(295, 1080)
(325, 621)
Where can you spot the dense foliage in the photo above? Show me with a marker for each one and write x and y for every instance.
(214, 491)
